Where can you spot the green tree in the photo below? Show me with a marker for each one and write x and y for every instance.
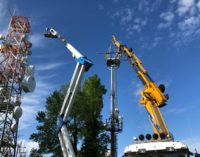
(34, 153)
(86, 112)
(47, 135)
(95, 139)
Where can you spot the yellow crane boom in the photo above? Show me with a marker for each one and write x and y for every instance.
(152, 97)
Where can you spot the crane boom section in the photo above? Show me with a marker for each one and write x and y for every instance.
(153, 96)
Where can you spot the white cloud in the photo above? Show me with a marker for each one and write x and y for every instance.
(49, 66)
(137, 20)
(44, 78)
(184, 6)
(198, 5)
(132, 29)
(37, 40)
(191, 23)
(163, 25)
(185, 20)
(144, 6)
(193, 143)
(156, 41)
(127, 15)
(4, 17)
(136, 26)
(26, 146)
(193, 10)
(30, 145)
(133, 17)
(3, 32)
(189, 29)
(137, 86)
(34, 102)
(115, 15)
(173, 1)
(147, 6)
(168, 18)
(3, 4)
(124, 15)
(28, 117)
(181, 110)
(181, 20)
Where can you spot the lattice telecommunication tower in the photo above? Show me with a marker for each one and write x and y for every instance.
(16, 76)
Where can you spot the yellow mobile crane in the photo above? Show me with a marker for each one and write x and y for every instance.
(153, 96)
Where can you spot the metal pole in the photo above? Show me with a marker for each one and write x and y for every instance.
(112, 99)
(114, 123)
(113, 133)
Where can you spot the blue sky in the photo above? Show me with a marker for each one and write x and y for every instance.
(164, 34)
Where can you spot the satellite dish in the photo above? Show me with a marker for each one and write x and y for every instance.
(28, 84)
(30, 70)
(17, 112)
(14, 127)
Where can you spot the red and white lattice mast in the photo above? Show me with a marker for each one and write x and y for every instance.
(15, 76)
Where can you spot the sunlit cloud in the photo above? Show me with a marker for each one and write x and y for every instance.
(167, 18)
(184, 6)
(37, 40)
(26, 146)
(34, 102)
(3, 4)
(49, 66)
(182, 110)
(193, 143)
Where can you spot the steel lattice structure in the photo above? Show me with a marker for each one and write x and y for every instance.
(15, 75)
(21, 149)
